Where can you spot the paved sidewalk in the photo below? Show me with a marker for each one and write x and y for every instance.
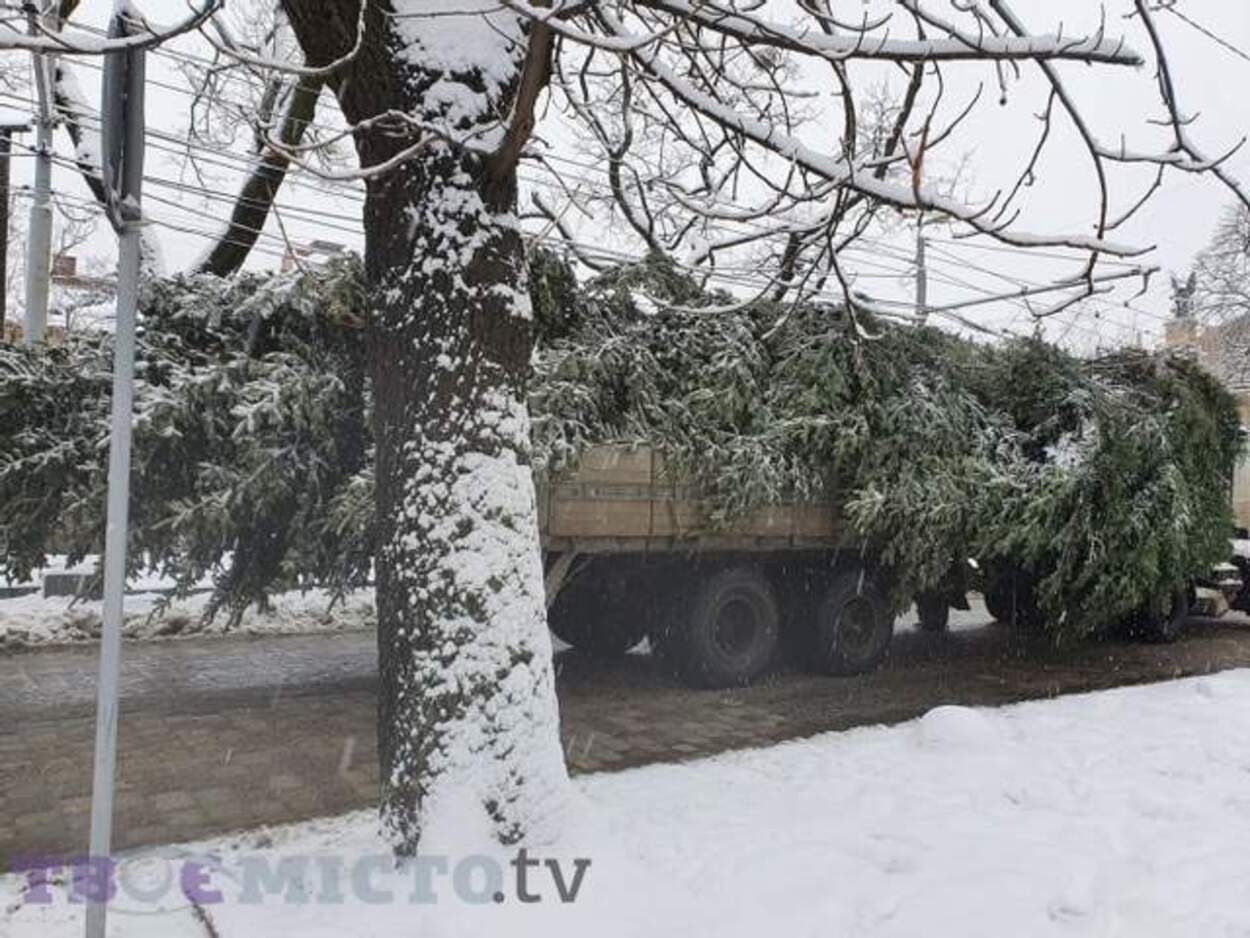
(219, 734)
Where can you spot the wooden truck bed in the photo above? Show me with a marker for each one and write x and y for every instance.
(619, 501)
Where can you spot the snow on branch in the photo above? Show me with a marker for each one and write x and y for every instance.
(143, 35)
(226, 44)
(846, 173)
(696, 114)
(702, 118)
(1185, 154)
(862, 44)
(81, 123)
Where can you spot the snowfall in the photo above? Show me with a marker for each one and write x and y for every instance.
(1118, 813)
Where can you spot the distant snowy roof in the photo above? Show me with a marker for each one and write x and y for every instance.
(13, 118)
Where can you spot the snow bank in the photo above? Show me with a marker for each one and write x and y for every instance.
(1124, 812)
(957, 728)
(34, 621)
(976, 616)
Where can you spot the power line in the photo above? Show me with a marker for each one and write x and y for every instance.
(1210, 34)
(1020, 281)
(722, 274)
(599, 252)
(602, 186)
(715, 277)
(350, 195)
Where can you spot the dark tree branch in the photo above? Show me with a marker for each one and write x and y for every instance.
(535, 73)
(256, 197)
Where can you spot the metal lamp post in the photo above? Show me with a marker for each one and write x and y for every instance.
(122, 115)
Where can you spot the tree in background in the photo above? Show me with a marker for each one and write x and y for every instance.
(1212, 302)
(1221, 272)
(73, 228)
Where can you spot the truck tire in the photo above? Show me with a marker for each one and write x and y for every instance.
(1011, 598)
(852, 626)
(728, 633)
(933, 613)
(1164, 619)
(599, 615)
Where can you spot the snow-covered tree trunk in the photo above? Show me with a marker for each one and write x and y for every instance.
(465, 660)
(467, 699)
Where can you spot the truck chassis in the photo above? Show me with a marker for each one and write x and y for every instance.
(630, 553)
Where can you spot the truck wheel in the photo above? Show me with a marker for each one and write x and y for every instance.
(1163, 620)
(1011, 599)
(933, 613)
(730, 631)
(853, 627)
(599, 615)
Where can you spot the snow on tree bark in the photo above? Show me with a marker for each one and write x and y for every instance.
(463, 647)
(467, 703)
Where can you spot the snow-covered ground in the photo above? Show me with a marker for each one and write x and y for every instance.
(33, 620)
(961, 620)
(1118, 813)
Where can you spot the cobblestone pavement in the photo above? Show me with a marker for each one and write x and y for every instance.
(218, 734)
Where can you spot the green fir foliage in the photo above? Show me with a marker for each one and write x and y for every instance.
(1106, 479)
(251, 454)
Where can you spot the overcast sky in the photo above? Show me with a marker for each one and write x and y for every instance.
(1211, 82)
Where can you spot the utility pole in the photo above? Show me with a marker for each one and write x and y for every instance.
(7, 130)
(122, 119)
(39, 237)
(922, 273)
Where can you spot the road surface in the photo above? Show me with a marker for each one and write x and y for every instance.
(224, 733)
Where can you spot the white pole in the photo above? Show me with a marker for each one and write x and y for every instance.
(39, 245)
(114, 565)
(123, 104)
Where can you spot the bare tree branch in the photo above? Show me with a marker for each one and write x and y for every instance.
(260, 189)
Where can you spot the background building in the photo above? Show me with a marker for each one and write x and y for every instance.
(1224, 350)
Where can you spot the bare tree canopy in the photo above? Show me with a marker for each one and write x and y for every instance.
(702, 118)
